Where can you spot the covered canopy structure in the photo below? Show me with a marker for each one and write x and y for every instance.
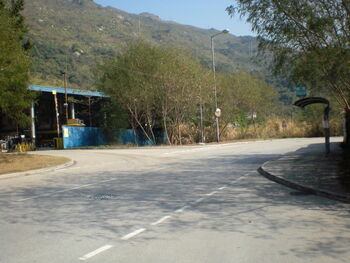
(302, 103)
(53, 108)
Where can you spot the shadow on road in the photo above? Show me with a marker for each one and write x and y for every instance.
(125, 201)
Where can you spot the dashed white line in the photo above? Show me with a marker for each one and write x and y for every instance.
(199, 200)
(212, 193)
(161, 220)
(182, 209)
(95, 252)
(133, 234)
(238, 179)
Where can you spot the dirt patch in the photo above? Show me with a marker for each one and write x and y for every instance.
(19, 162)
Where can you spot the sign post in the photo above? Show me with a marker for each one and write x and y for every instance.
(217, 116)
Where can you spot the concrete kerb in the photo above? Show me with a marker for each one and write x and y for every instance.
(303, 188)
(37, 171)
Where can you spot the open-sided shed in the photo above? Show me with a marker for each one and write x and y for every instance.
(55, 108)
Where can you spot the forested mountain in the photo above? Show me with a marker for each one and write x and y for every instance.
(74, 35)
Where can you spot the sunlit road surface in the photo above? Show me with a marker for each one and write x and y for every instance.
(169, 204)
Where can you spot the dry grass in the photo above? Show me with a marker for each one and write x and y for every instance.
(273, 128)
(19, 162)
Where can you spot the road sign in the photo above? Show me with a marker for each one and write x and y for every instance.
(300, 91)
(218, 113)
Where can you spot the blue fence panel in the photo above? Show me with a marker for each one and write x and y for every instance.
(74, 136)
(137, 137)
(82, 136)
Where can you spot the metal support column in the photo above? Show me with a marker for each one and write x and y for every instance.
(326, 129)
(72, 109)
(32, 116)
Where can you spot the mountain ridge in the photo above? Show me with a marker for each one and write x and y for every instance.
(75, 35)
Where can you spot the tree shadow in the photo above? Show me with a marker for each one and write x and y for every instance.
(113, 204)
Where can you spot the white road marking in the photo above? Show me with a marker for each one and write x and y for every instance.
(78, 187)
(74, 167)
(182, 209)
(239, 178)
(62, 191)
(212, 193)
(161, 220)
(199, 200)
(208, 147)
(133, 234)
(95, 252)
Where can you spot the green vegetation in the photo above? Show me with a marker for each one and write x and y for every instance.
(309, 41)
(154, 85)
(14, 63)
(163, 87)
(78, 35)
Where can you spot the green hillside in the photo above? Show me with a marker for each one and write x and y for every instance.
(74, 35)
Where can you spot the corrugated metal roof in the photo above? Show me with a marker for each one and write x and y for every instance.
(69, 91)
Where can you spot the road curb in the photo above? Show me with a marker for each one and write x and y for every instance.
(303, 188)
(37, 171)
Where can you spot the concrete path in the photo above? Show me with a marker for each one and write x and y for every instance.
(311, 171)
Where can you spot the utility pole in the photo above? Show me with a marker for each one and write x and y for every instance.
(65, 94)
(201, 114)
(139, 26)
(57, 114)
(217, 110)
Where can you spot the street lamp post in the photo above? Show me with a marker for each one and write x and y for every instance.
(65, 94)
(217, 110)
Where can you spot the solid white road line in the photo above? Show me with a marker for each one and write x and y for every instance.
(133, 234)
(161, 220)
(95, 252)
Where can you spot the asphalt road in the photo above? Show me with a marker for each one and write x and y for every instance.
(169, 204)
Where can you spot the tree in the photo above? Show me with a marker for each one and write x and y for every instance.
(310, 39)
(129, 80)
(185, 85)
(243, 95)
(157, 86)
(14, 63)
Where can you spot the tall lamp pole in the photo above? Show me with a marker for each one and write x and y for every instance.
(217, 110)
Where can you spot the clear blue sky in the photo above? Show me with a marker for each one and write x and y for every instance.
(200, 13)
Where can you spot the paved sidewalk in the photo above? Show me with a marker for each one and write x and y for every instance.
(309, 170)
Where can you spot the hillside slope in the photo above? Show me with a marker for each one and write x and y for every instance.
(74, 35)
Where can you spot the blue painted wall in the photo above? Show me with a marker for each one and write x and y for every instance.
(82, 136)
(137, 137)
(90, 136)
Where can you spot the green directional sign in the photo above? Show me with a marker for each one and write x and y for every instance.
(300, 91)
